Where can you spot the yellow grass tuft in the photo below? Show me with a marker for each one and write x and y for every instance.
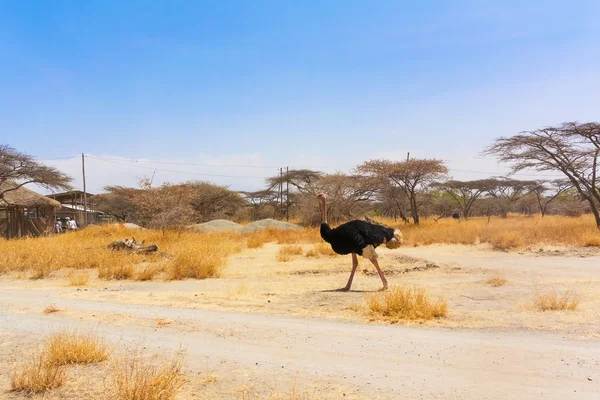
(311, 253)
(192, 264)
(51, 309)
(320, 249)
(506, 241)
(496, 281)
(78, 278)
(283, 257)
(406, 303)
(36, 375)
(554, 301)
(286, 252)
(74, 347)
(147, 273)
(255, 242)
(134, 378)
(117, 272)
(325, 249)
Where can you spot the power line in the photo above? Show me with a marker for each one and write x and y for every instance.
(127, 161)
(175, 171)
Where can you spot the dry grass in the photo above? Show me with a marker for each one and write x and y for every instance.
(554, 301)
(400, 303)
(147, 273)
(497, 281)
(135, 378)
(51, 309)
(286, 253)
(78, 278)
(504, 233)
(203, 255)
(74, 347)
(282, 257)
(36, 375)
(116, 272)
(191, 255)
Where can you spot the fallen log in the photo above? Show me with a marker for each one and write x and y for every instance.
(133, 246)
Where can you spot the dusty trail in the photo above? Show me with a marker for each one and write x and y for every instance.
(375, 360)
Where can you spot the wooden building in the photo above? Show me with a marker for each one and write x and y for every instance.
(25, 213)
(72, 206)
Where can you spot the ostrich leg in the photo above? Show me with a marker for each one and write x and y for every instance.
(354, 265)
(380, 272)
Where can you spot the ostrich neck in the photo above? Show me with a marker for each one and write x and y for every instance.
(324, 210)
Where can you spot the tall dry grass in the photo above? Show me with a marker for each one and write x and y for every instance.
(406, 303)
(74, 347)
(203, 255)
(46, 369)
(555, 301)
(504, 233)
(183, 254)
(36, 375)
(138, 378)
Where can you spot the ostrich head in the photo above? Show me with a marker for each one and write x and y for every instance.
(321, 197)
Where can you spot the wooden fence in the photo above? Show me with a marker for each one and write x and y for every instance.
(15, 223)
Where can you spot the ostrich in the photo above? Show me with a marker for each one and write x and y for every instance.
(358, 237)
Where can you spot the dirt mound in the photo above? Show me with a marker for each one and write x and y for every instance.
(217, 225)
(269, 223)
(128, 225)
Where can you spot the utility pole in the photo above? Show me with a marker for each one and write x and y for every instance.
(281, 192)
(287, 193)
(408, 156)
(85, 218)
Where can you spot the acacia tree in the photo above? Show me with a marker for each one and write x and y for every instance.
(260, 199)
(411, 176)
(348, 196)
(466, 193)
(507, 192)
(21, 169)
(556, 187)
(572, 149)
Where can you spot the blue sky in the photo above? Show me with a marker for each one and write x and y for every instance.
(322, 84)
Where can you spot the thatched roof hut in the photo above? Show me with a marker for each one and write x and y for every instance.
(24, 212)
(25, 198)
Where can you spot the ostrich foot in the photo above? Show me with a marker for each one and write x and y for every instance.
(384, 288)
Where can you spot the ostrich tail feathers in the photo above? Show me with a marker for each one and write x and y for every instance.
(396, 241)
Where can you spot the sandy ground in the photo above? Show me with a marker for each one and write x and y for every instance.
(267, 325)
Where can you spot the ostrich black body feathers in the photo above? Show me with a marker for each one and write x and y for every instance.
(354, 236)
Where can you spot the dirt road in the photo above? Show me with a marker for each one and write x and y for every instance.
(370, 361)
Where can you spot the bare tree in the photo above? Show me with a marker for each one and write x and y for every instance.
(555, 187)
(411, 176)
(22, 169)
(572, 149)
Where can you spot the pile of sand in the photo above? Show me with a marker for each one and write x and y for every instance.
(217, 225)
(269, 223)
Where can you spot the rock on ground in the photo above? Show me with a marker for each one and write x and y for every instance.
(269, 223)
(217, 225)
